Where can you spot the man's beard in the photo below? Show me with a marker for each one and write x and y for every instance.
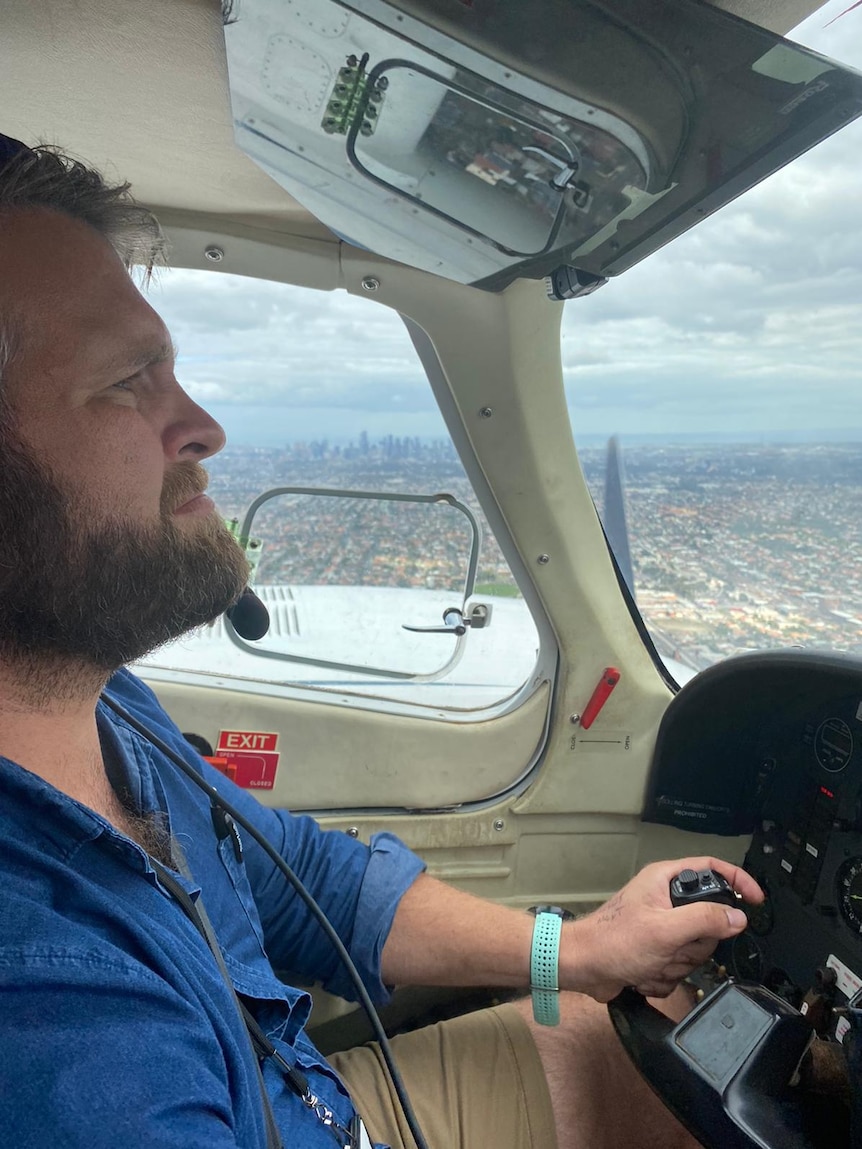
(74, 587)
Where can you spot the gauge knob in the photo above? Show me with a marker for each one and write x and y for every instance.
(688, 880)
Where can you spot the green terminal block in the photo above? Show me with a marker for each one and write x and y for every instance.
(354, 100)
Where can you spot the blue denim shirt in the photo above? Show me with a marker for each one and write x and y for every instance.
(116, 1028)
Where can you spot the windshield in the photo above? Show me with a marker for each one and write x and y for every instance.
(728, 366)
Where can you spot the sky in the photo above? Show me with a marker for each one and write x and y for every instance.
(748, 325)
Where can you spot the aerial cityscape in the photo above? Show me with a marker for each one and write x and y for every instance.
(352, 542)
(734, 547)
(740, 547)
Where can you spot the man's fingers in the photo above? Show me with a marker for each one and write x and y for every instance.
(678, 970)
(657, 988)
(696, 953)
(742, 882)
(704, 920)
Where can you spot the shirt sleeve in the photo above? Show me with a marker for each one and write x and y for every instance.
(357, 887)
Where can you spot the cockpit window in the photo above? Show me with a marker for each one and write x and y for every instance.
(368, 546)
(727, 366)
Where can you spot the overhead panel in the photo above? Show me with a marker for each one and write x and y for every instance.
(508, 140)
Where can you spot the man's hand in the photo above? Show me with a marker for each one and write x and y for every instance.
(637, 938)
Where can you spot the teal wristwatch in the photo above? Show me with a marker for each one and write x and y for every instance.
(545, 962)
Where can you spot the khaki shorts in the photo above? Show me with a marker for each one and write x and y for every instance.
(475, 1082)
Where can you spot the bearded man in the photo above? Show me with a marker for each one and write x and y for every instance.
(126, 1010)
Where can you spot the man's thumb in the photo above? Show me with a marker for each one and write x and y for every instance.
(736, 919)
(708, 920)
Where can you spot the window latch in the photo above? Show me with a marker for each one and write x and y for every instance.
(455, 621)
(567, 169)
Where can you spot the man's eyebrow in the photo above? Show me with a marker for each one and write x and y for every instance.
(130, 362)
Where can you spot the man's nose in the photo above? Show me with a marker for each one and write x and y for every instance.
(192, 434)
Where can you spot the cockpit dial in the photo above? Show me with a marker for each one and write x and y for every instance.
(746, 958)
(761, 918)
(833, 745)
(849, 888)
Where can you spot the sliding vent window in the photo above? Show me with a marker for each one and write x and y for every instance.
(363, 583)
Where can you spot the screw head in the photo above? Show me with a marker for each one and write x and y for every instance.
(352, 831)
(543, 560)
(370, 283)
(574, 719)
(499, 824)
(486, 412)
(214, 254)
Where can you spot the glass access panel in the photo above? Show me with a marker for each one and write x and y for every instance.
(501, 167)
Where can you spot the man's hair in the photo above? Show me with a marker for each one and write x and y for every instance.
(45, 177)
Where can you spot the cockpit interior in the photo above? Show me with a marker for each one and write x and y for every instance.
(482, 174)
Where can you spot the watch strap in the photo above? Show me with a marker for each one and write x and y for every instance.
(544, 968)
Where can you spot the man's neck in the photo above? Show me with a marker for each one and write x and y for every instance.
(55, 736)
(48, 725)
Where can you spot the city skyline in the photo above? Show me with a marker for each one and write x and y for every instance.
(811, 436)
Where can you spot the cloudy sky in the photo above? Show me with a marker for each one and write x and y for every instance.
(751, 323)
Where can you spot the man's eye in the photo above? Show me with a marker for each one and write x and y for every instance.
(125, 384)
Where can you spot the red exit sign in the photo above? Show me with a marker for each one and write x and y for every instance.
(246, 740)
(253, 754)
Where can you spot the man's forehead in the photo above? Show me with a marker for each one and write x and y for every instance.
(36, 240)
(70, 293)
(92, 346)
(49, 258)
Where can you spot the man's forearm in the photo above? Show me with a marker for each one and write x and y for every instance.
(443, 936)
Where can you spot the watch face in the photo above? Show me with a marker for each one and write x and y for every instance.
(557, 911)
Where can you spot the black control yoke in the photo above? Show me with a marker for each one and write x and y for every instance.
(727, 1069)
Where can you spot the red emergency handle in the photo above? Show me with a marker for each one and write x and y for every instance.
(610, 677)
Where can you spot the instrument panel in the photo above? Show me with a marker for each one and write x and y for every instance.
(771, 744)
